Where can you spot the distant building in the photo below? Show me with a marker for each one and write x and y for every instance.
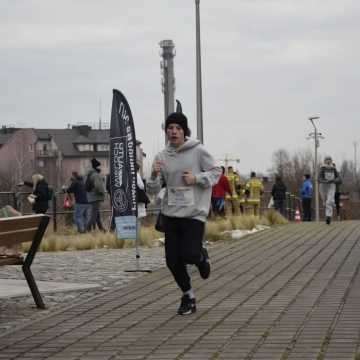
(5, 134)
(55, 153)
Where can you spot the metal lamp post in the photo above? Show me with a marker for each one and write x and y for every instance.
(355, 161)
(199, 112)
(316, 135)
(167, 77)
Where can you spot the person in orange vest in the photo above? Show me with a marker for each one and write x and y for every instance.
(254, 188)
(232, 205)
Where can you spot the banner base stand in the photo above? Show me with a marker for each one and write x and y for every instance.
(138, 269)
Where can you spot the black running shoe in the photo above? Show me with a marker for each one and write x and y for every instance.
(204, 266)
(187, 306)
(328, 220)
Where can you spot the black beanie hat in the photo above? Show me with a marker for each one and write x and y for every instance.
(94, 163)
(179, 119)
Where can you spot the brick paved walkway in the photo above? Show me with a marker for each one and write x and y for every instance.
(292, 292)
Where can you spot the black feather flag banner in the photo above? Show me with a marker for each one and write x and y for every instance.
(123, 167)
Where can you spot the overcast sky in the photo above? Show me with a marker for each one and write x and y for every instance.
(267, 66)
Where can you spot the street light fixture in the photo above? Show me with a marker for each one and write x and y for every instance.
(226, 161)
(316, 136)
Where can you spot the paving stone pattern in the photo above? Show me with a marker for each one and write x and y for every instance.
(104, 267)
(291, 292)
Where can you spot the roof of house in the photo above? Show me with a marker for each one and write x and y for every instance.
(4, 138)
(66, 139)
(6, 133)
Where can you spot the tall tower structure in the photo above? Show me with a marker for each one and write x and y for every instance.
(167, 75)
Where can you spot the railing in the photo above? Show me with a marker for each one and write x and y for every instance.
(60, 218)
(292, 202)
(46, 153)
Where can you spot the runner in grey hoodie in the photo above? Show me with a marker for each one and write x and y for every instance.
(189, 172)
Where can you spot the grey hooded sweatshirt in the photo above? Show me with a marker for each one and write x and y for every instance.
(181, 200)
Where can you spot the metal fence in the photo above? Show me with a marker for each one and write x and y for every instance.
(61, 218)
(292, 202)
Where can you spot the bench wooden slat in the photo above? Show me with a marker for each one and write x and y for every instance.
(11, 260)
(17, 237)
(19, 222)
(20, 229)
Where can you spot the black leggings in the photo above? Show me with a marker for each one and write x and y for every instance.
(337, 203)
(183, 244)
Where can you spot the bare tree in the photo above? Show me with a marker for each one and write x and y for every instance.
(281, 163)
(292, 167)
(17, 160)
(6, 183)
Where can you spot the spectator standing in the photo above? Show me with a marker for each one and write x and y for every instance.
(41, 193)
(189, 172)
(278, 192)
(337, 197)
(219, 190)
(306, 197)
(81, 207)
(108, 190)
(254, 188)
(328, 178)
(240, 189)
(142, 198)
(232, 204)
(94, 187)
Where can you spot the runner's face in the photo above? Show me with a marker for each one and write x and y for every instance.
(175, 135)
(328, 162)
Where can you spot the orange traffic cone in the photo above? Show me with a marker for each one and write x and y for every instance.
(297, 215)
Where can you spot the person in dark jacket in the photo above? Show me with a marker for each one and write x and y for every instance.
(94, 186)
(108, 190)
(306, 197)
(81, 210)
(278, 193)
(41, 193)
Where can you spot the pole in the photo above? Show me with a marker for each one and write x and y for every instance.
(199, 112)
(317, 217)
(137, 252)
(316, 141)
(355, 160)
(168, 78)
(226, 163)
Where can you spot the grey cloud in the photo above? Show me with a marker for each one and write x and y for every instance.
(267, 66)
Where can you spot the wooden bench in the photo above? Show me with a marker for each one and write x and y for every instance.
(21, 229)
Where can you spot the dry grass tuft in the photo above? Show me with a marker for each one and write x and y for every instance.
(214, 228)
(69, 239)
(275, 218)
